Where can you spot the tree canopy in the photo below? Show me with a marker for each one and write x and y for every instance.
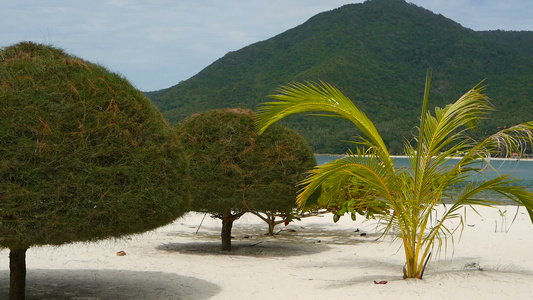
(234, 170)
(83, 154)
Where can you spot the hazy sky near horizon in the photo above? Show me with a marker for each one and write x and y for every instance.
(156, 44)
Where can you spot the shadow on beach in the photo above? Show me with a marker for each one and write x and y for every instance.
(252, 241)
(252, 249)
(459, 269)
(110, 284)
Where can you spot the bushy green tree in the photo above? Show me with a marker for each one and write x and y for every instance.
(83, 155)
(442, 156)
(235, 171)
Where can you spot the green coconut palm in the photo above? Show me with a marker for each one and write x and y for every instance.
(442, 157)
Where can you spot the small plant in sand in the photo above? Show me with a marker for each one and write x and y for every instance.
(235, 170)
(407, 197)
(83, 156)
(503, 223)
(503, 213)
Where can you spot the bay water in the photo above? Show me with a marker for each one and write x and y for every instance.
(522, 170)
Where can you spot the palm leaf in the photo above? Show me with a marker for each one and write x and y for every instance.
(302, 98)
(367, 170)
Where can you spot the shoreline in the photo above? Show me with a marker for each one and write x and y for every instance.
(405, 156)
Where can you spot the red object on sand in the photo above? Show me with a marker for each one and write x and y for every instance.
(380, 282)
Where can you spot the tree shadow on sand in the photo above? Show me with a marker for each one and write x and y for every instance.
(262, 248)
(110, 284)
(252, 241)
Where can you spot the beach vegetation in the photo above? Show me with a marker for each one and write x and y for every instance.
(236, 171)
(418, 203)
(83, 156)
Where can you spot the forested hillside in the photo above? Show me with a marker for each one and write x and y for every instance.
(377, 53)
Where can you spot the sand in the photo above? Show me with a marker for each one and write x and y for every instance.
(309, 259)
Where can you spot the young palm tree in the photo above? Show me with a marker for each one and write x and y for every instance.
(407, 198)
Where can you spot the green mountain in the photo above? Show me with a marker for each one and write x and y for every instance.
(377, 53)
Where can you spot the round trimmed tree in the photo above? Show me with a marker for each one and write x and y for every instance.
(83, 155)
(234, 170)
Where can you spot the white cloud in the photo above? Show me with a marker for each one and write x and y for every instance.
(484, 14)
(158, 43)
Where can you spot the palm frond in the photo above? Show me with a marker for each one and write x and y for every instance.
(443, 136)
(320, 98)
(367, 170)
(472, 194)
(511, 140)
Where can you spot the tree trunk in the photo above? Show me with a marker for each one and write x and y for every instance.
(227, 224)
(17, 279)
(271, 225)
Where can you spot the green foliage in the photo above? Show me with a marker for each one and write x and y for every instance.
(442, 156)
(344, 197)
(371, 51)
(83, 154)
(233, 168)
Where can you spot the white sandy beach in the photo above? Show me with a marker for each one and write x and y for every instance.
(310, 259)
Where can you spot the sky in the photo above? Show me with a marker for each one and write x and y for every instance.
(158, 43)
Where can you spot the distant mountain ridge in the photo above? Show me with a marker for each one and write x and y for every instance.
(377, 54)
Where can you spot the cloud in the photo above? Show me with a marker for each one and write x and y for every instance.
(158, 43)
(484, 14)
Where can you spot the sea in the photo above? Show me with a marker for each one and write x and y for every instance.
(521, 169)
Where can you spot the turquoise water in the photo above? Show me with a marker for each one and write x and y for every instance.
(522, 170)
